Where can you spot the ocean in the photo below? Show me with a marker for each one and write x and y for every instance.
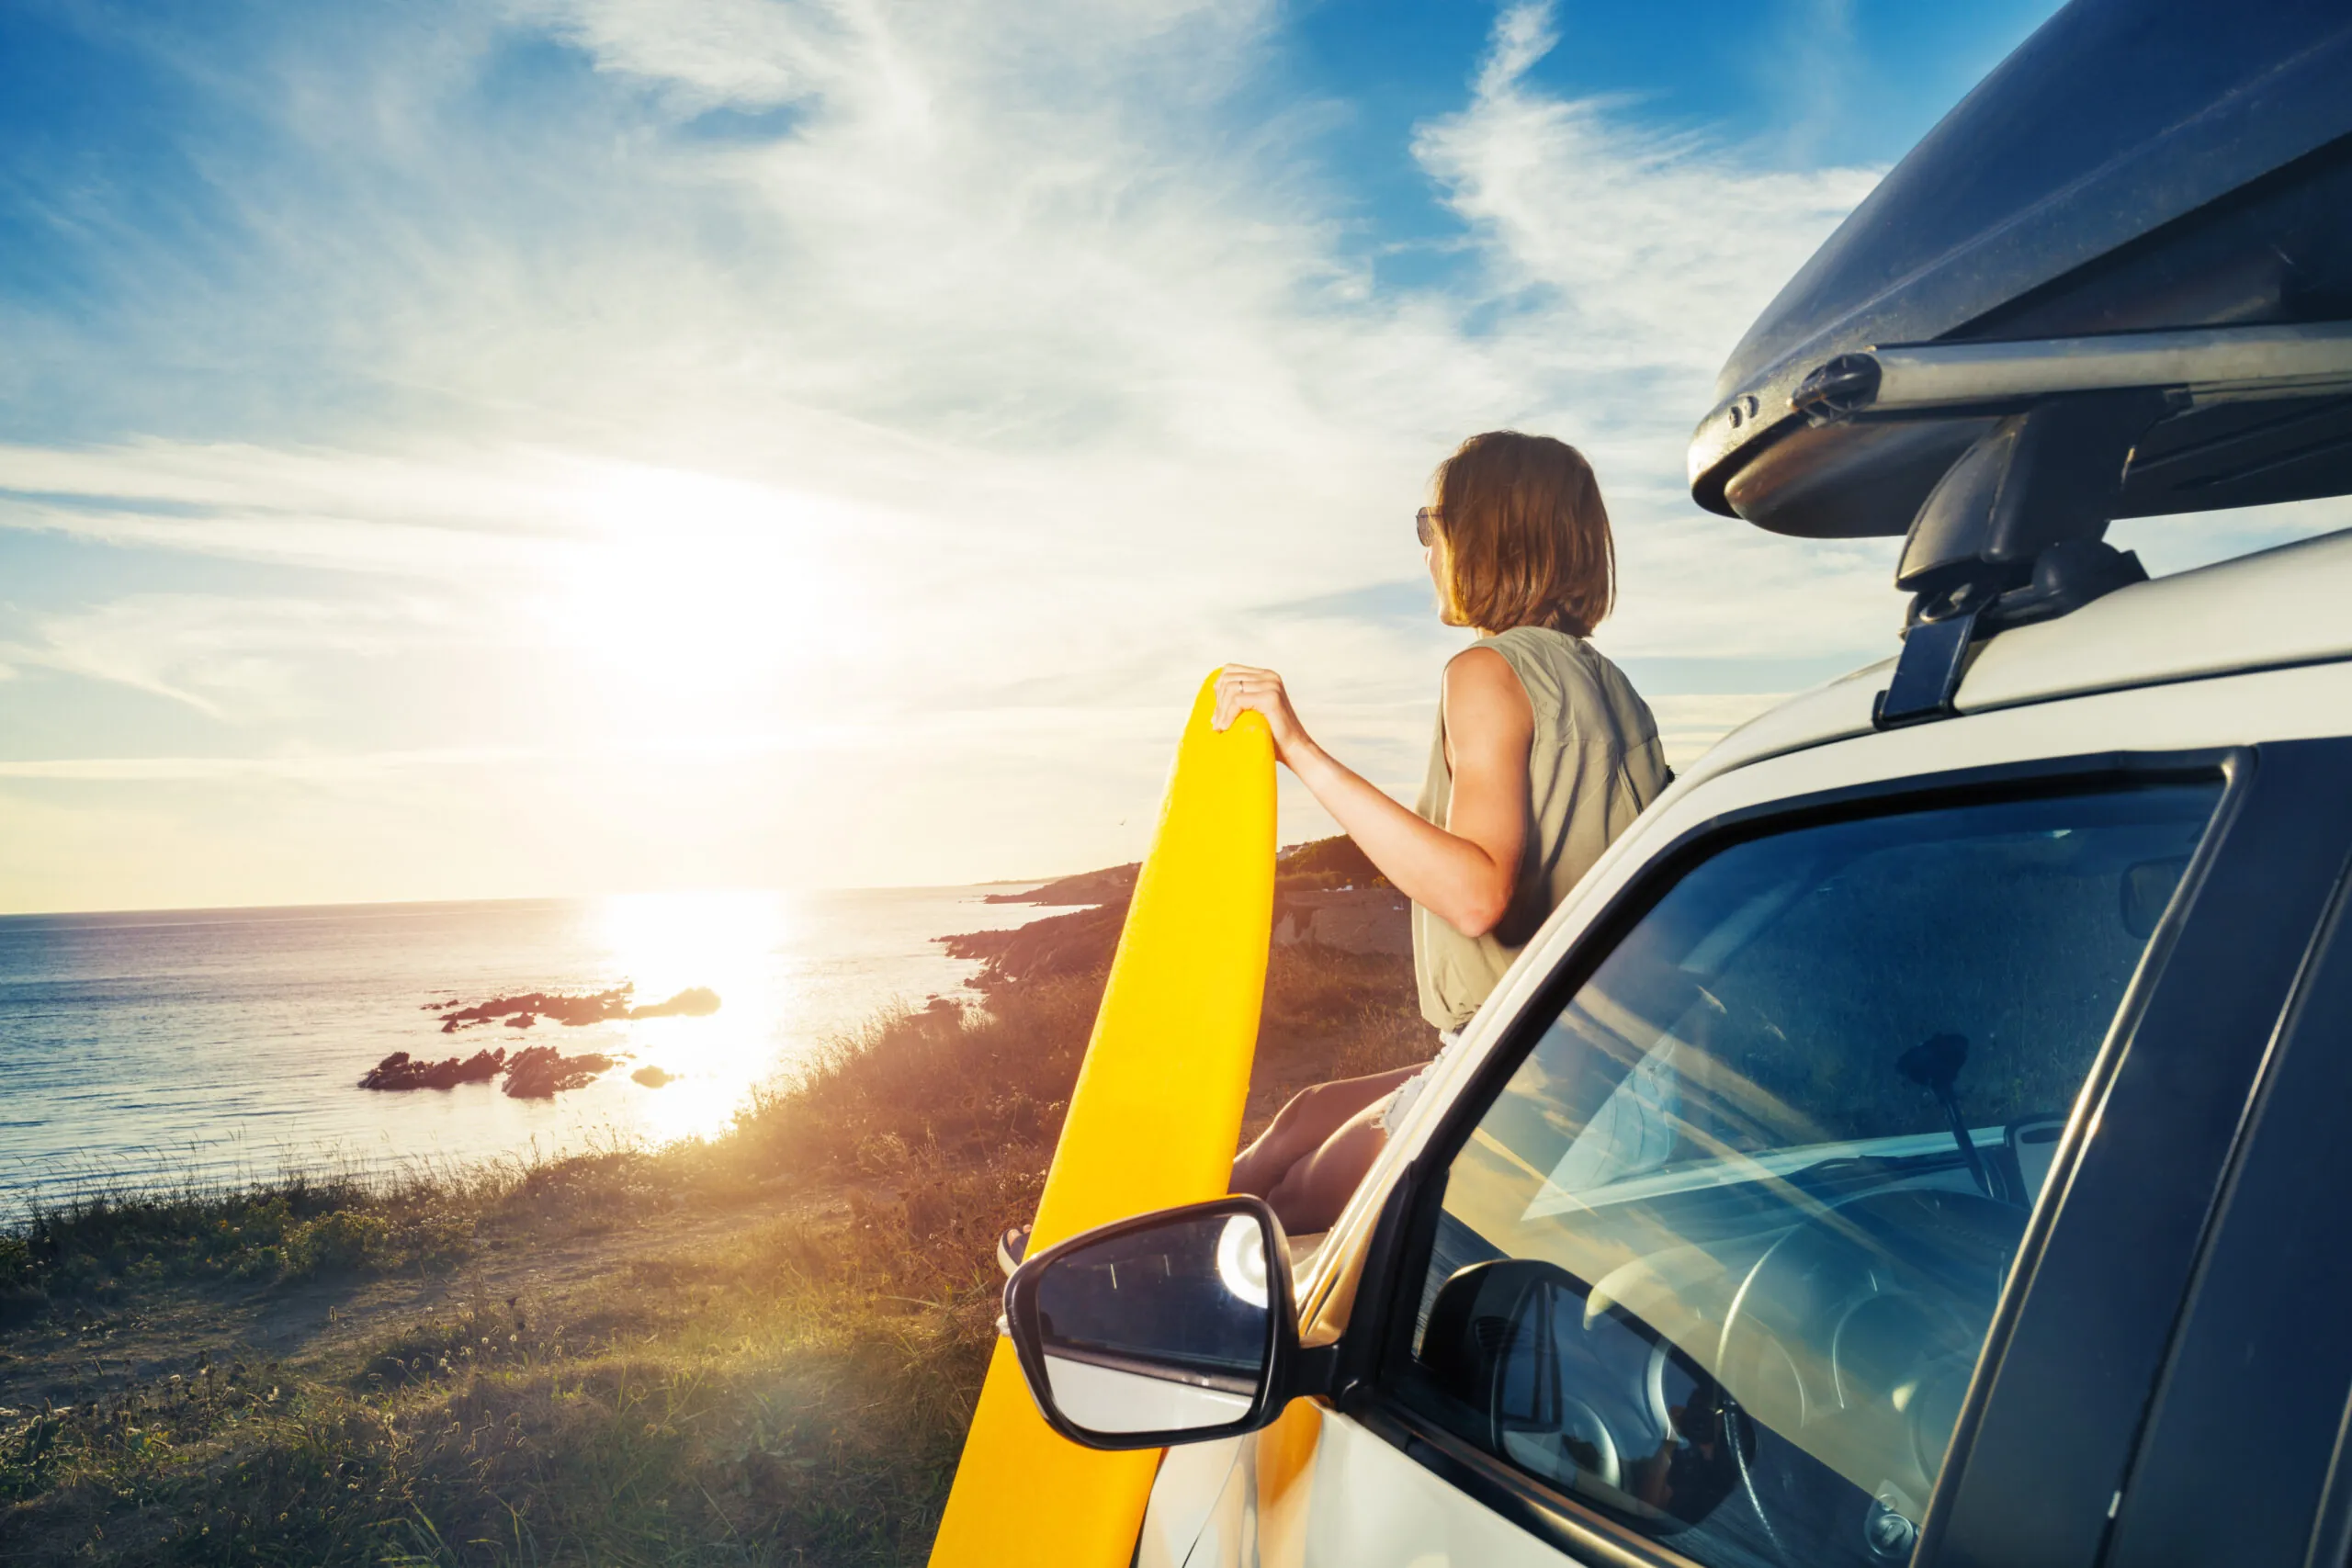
(209, 1046)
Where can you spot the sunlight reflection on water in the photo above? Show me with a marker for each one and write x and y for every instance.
(739, 944)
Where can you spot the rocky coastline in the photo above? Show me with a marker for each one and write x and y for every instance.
(1326, 894)
(535, 1072)
(572, 1012)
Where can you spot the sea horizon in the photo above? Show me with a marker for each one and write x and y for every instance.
(998, 885)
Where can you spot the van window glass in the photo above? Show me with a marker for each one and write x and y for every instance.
(1720, 1257)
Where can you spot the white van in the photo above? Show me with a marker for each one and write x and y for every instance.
(1921, 1138)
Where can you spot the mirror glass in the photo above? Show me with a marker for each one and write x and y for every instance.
(1167, 1329)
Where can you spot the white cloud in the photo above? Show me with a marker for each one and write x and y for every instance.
(1653, 249)
(737, 52)
(1688, 726)
(218, 770)
(235, 659)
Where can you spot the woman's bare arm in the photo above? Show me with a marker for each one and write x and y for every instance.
(1466, 872)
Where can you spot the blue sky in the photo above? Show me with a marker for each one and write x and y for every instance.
(567, 445)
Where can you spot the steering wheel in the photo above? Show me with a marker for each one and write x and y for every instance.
(1495, 1342)
(1532, 1419)
(1852, 1339)
(1513, 1339)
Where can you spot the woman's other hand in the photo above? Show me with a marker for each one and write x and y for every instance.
(1242, 688)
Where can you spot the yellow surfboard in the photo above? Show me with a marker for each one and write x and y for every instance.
(1153, 1121)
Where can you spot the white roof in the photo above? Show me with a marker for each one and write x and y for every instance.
(2275, 608)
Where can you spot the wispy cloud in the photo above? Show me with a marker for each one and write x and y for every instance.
(236, 660)
(224, 770)
(1647, 251)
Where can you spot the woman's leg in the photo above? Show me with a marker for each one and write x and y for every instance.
(1310, 1194)
(1301, 1127)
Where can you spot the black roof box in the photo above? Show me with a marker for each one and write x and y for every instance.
(2177, 171)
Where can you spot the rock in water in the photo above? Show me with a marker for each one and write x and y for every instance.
(535, 1072)
(399, 1070)
(541, 1072)
(651, 1078)
(574, 1011)
(695, 1002)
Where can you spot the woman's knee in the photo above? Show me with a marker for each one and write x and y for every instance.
(1312, 1193)
(1303, 1106)
(1346, 1098)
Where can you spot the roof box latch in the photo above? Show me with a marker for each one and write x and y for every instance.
(2012, 533)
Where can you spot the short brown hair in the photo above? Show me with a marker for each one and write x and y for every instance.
(1526, 537)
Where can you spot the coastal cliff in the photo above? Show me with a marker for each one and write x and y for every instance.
(1326, 894)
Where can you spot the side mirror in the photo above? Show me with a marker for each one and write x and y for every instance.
(1178, 1327)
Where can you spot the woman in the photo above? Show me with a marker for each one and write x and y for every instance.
(1543, 753)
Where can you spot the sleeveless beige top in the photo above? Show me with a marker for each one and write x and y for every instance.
(1594, 763)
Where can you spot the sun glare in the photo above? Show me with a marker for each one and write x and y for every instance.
(666, 942)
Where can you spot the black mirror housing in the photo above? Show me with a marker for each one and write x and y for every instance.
(1175, 1326)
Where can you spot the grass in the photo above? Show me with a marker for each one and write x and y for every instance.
(759, 1349)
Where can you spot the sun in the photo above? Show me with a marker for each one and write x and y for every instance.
(696, 587)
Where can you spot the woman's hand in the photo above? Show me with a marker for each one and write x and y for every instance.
(1464, 871)
(1241, 688)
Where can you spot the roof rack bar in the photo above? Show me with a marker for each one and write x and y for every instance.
(1914, 380)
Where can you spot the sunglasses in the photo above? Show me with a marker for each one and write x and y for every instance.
(1425, 525)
